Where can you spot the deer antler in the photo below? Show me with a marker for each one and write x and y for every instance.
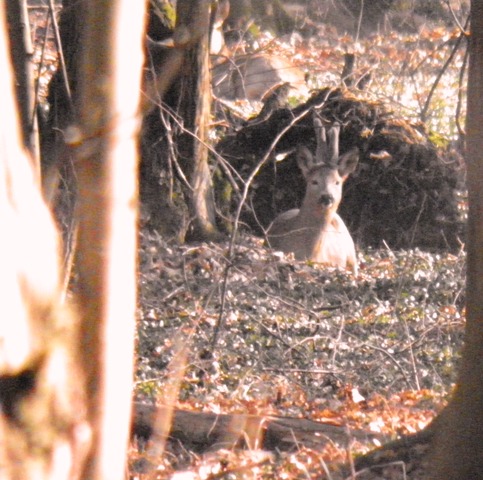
(333, 135)
(322, 152)
(327, 143)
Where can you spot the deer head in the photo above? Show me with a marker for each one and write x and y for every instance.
(326, 171)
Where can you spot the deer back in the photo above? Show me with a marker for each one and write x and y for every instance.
(315, 231)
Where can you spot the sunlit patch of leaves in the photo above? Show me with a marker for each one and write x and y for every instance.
(403, 68)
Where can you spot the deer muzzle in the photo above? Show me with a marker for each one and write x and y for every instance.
(326, 200)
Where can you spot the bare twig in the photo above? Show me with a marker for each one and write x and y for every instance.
(60, 51)
(459, 105)
(418, 216)
(441, 72)
(228, 169)
(337, 341)
(456, 19)
(388, 354)
(39, 71)
(301, 370)
(359, 21)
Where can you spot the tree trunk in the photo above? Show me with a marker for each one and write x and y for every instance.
(65, 379)
(22, 53)
(43, 428)
(192, 33)
(106, 166)
(458, 448)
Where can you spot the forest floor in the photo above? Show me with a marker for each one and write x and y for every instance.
(260, 333)
(376, 352)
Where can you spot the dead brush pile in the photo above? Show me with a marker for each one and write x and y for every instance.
(406, 192)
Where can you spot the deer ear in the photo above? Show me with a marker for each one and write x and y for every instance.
(305, 159)
(348, 162)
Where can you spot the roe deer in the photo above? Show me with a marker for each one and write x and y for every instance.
(315, 231)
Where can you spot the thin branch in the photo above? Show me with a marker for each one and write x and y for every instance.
(459, 105)
(300, 370)
(60, 51)
(39, 71)
(228, 169)
(456, 19)
(385, 352)
(440, 75)
(359, 21)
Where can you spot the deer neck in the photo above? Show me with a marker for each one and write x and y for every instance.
(313, 214)
(314, 222)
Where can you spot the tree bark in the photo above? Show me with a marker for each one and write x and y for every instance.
(192, 33)
(458, 451)
(106, 166)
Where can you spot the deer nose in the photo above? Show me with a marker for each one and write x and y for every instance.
(326, 200)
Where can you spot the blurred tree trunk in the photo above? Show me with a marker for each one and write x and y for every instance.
(43, 427)
(458, 447)
(106, 167)
(66, 373)
(192, 34)
(21, 50)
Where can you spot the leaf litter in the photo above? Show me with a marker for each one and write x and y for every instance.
(297, 339)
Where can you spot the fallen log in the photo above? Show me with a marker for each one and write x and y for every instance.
(206, 431)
